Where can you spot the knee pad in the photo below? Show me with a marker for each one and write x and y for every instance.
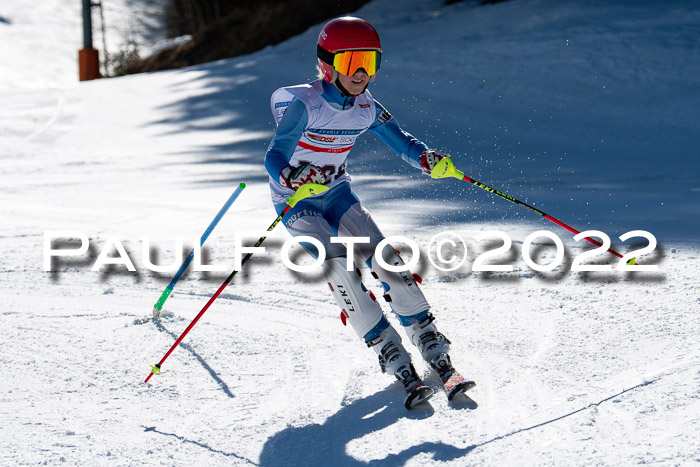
(359, 306)
(391, 353)
(422, 333)
(400, 288)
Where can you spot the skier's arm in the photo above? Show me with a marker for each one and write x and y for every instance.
(404, 144)
(288, 133)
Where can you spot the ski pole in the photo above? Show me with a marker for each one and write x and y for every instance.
(168, 290)
(446, 168)
(309, 189)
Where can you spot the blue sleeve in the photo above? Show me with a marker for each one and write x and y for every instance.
(404, 144)
(288, 133)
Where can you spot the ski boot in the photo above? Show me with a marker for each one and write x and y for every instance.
(416, 391)
(393, 359)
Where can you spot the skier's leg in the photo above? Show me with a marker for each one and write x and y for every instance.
(400, 288)
(359, 306)
(349, 218)
(410, 306)
(361, 310)
(307, 219)
(405, 299)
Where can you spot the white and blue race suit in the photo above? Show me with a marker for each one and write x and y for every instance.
(317, 124)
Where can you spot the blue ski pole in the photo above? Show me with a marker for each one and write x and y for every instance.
(168, 290)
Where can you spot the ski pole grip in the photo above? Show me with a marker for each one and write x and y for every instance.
(304, 191)
(446, 168)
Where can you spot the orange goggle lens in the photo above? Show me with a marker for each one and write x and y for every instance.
(350, 61)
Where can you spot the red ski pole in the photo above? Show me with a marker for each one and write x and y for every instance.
(446, 168)
(305, 191)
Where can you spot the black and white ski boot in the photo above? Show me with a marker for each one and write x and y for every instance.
(453, 382)
(416, 391)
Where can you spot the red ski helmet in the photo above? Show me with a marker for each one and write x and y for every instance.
(347, 34)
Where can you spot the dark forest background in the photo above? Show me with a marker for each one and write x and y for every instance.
(229, 28)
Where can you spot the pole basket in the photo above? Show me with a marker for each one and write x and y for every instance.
(88, 64)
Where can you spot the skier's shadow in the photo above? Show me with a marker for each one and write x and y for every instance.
(325, 444)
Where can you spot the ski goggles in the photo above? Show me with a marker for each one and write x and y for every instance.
(349, 61)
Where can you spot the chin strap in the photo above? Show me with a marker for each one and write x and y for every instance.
(342, 90)
(346, 93)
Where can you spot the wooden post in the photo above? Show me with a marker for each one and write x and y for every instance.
(88, 64)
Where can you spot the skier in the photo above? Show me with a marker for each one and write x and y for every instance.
(317, 126)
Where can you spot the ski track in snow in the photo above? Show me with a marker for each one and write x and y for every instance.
(582, 368)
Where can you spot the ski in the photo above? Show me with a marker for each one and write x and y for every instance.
(455, 384)
(417, 395)
(416, 391)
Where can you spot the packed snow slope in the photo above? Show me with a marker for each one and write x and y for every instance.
(586, 109)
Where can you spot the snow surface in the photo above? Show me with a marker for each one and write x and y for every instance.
(587, 109)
